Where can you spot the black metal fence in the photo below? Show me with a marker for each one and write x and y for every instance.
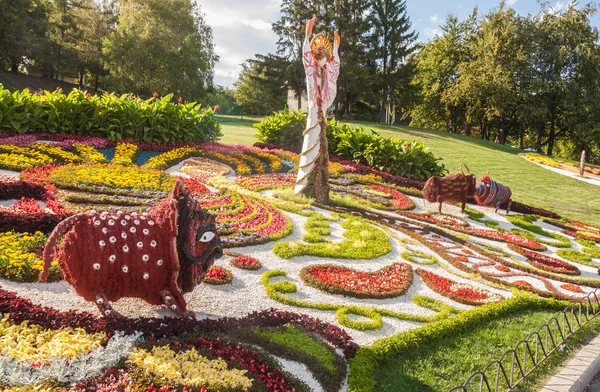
(516, 364)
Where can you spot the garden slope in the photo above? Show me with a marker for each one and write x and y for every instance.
(529, 183)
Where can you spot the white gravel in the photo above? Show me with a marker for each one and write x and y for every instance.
(247, 294)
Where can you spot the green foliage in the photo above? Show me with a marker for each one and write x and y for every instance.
(576, 257)
(162, 46)
(301, 341)
(156, 120)
(396, 156)
(283, 129)
(316, 226)
(419, 257)
(364, 241)
(527, 222)
(375, 318)
(387, 353)
(594, 252)
(585, 243)
(258, 89)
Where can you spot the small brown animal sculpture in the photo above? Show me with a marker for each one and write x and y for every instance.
(157, 256)
(454, 188)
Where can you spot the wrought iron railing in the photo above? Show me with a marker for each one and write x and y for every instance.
(518, 363)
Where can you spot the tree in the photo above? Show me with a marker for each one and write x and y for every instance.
(161, 46)
(95, 22)
(392, 41)
(567, 47)
(63, 34)
(22, 29)
(437, 71)
(260, 86)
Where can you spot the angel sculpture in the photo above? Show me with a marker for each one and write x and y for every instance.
(322, 68)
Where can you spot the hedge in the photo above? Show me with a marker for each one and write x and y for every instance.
(156, 120)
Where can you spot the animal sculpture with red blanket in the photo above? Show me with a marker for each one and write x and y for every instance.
(490, 193)
(157, 256)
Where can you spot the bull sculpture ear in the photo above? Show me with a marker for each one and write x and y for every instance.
(178, 188)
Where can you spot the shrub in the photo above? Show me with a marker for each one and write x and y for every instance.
(156, 120)
(283, 128)
(395, 156)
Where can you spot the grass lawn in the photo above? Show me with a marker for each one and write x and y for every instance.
(237, 130)
(529, 183)
(445, 363)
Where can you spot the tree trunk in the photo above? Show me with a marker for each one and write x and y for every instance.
(521, 137)
(538, 144)
(14, 65)
(468, 130)
(81, 80)
(299, 98)
(96, 82)
(552, 135)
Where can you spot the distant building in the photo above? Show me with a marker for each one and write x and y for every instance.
(292, 101)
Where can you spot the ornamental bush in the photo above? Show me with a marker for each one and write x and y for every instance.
(156, 120)
(396, 156)
(282, 129)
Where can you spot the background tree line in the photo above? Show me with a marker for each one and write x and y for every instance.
(532, 81)
(137, 46)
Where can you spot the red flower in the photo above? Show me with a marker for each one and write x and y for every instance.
(246, 262)
(388, 282)
(216, 108)
(179, 100)
(459, 292)
(154, 94)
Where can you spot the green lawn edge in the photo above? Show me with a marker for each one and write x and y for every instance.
(362, 366)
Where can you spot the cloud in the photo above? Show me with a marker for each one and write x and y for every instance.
(431, 33)
(241, 29)
(434, 19)
(511, 2)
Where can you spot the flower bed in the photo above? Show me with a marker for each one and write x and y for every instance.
(267, 181)
(164, 361)
(246, 262)
(501, 236)
(401, 202)
(218, 276)
(124, 154)
(459, 292)
(547, 263)
(388, 282)
(111, 176)
(27, 215)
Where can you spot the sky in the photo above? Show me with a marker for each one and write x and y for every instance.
(242, 28)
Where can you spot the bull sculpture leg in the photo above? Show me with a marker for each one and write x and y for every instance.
(105, 308)
(169, 300)
(462, 210)
(440, 208)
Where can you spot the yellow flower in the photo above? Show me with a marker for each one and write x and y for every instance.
(190, 368)
(34, 344)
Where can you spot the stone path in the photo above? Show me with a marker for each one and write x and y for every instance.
(579, 372)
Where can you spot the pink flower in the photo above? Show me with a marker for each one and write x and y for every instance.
(405, 148)
(180, 100)
(216, 107)
(154, 94)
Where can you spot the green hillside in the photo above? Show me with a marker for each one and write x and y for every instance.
(529, 183)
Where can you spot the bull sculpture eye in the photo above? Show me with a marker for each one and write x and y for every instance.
(208, 236)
